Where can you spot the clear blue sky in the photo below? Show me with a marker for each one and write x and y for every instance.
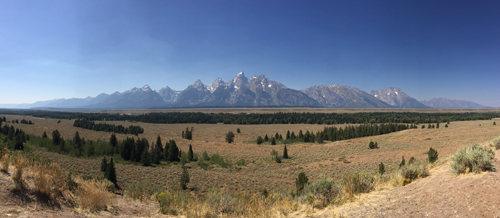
(69, 48)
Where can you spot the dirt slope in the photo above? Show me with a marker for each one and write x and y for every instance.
(442, 194)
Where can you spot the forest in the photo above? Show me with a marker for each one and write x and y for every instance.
(271, 118)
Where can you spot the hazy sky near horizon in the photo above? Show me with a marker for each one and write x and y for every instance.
(69, 48)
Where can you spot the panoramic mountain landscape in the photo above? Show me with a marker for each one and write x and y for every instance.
(256, 91)
(344, 109)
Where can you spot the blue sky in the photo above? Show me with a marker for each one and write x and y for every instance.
(64, 49)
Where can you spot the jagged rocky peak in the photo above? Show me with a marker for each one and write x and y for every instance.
(216, 84)
(146, 88)
(198, 84)
(239, 80)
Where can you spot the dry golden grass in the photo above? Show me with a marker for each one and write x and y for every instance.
(49, 180)
(19, 163)
(5, 160)
(330, 159)
(92, 195)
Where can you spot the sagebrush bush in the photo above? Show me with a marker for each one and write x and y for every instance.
(323, 191)
(412, 172)
(142, 190)
(473, 158)
(496, 143)
(357, 183)
(221, 201)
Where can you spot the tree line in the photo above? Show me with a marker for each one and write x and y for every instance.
(336, 134)
(272, 118)
(85, 124)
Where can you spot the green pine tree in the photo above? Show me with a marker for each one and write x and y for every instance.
(111, 173)
(146, 158)
(190, 153)
(104, 164)
(184, 178)
(285, 153)
(381, 168)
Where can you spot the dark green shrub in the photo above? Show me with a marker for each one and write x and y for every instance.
(240, 162)
(412, 160)
(432, 155)
(230, 137)
(285, 153)
(373, 145)
(403, 162)
(184, 178)
(300, 182)
(104, 164)
(381, 168)
(260, 140)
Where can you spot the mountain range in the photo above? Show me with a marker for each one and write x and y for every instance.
(256, 91)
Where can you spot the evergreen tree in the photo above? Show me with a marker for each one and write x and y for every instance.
(285, 153)
(190, 155)
(230, 137)
(494, 123)
(381, 168)
(166, 154)
(437, 125)
(432, 155)
(287, 134)
(446, 125)
(56, 137)
(157, 151)
(184, 178)
(292, 136)
(104, 164)
(111, 173)
(428, 127)
(146, 157)
(44, 135)
(300, 182)
(423, 126)
(19, 143)
(173, 152)
(113, 140)
(403, 162)
(259, 140)
(266, 138)
(273, 142)
(238, 130)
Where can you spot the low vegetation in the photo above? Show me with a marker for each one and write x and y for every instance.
(473, 158)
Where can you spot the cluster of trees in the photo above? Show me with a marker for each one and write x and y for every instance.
(140, 151)
(85, 124)
(23, 121)
(15, 138)
(274, 118)
(188, 134)
(336, 134)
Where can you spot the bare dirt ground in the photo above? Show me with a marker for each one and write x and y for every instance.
(442, 194)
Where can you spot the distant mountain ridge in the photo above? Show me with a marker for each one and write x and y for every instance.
(256, 91)
(340, 96)
(451, 103)
(397, 98)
